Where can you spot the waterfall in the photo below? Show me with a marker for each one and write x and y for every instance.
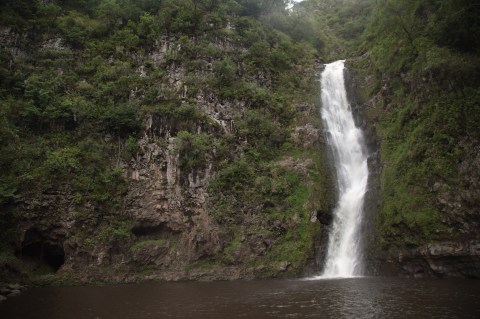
(346, 140)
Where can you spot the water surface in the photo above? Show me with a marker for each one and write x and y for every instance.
(335, 298)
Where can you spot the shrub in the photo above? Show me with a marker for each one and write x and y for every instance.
(122, 120)
(193, 149)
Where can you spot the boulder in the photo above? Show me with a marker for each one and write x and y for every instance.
(324, 217)
(15, 287)
(282, 266)
(14, 292)
(4, 291)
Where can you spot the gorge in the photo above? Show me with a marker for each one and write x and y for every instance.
(180, 140)
(176, 159)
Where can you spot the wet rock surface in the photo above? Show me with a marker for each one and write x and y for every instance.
(10, 290)
(441, 259)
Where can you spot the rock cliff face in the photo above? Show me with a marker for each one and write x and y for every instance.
(372, 197)
(458, 258)
(458, 201)
(164, 230)
(453, 249)
(164, 227)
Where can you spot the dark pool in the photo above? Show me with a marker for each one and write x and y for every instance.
(340, 298)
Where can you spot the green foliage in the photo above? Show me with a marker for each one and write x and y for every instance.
(334, 27)
(299, 25)
(229, 251)
(193, 149)
(234, 177)
(72, 110)
(247, 185)
(63, 162)
(16, 13)
(113, 11)
(225, 73)
(455, 24)
(126, 38)
(261, 132)
(147, 28)
(105, 189)
(122, 120)
(430, 77)
(147, 270)
(295, 247)
(112, 232)
(278, 199)
(42, 88)
(182, 117)
(131, 146)
(78, 28)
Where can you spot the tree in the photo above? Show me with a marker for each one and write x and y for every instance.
(193, 149)
(122, 120)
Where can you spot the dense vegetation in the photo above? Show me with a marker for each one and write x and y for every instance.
(424, 56)
(80, 77)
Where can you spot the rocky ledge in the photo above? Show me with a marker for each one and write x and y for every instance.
(10, 290)
(442, 259)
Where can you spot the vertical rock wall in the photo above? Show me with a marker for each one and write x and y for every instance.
(454, 254)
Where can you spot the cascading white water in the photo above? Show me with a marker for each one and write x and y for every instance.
(350, 157)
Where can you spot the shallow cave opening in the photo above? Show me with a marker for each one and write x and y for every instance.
(42, 251)
(54, 255)
(141, 230)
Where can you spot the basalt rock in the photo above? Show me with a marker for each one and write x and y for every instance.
(450, 251)
(306, 136)
(162, 229)
(324, 217)
(11, 290)
(441, 259)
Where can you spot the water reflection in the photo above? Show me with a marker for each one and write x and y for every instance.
(356, 298)
(339, 298)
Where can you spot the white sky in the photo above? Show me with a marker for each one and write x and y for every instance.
(290, 5)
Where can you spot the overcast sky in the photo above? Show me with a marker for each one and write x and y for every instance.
(292, 2)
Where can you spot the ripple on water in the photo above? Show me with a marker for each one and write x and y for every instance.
(345, 298)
